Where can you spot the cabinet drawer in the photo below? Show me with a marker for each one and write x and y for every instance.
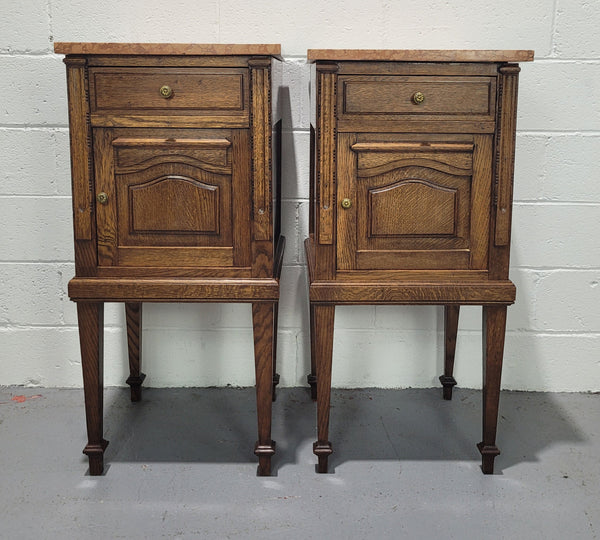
(445, 98)
(155, 91)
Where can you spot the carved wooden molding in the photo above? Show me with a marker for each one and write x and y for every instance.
(328, 67)
(508, 81)
(168, 151)
(260, 62)
(169, 159)
(326, 149)
(412, 147)
(198, 143)
(413, 162)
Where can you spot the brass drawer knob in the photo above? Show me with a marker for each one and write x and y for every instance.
(166, 91)
(418, 98)
(346, 203)
(102, 197)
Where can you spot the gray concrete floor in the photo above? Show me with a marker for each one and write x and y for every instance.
(180, 465)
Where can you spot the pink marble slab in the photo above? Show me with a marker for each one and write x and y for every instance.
(188, 49)
(392, 55)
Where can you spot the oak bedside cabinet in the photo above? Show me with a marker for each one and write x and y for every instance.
(175, 170)
(411, 193)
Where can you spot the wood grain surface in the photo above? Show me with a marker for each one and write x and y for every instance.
(426, 55)
(417, 157)
(165, 49)
(173, 198)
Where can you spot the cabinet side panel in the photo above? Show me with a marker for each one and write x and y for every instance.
(313, 150)
(480, 201)
(81, 159)
(81, 167)
(276, 167)
(260, 129)
(241, 196)
(280, 100)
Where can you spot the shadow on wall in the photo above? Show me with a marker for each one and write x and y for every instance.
(208, 343)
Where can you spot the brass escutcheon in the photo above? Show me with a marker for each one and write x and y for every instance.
(166, 91)
(346, 203)
(418, 98)
(102, 197)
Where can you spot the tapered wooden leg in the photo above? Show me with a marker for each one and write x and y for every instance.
(91, 328)
(312, 376)
(450, 330)
(323, 331)
(133, 318)
(275, 374)
(494, 328)
(263, 322)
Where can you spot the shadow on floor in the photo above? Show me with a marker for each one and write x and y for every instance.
(417, 424)
(219, 425)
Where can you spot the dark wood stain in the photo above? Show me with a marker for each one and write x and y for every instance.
(186, 212)
(411, 195)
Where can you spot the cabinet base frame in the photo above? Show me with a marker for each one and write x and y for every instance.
(90, 295)
(493, 296)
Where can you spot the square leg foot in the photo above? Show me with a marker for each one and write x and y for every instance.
(488, 454)
(136, 386)
(264, 453)
(95, 454)
(322, 450)
(448, 382)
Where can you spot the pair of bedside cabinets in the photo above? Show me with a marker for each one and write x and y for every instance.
(176, 174)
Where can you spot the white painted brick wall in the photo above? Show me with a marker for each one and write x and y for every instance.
(557, 167)
(561, 95)
(30, 87)
(47, 152)
(25, 26)
(553, 338)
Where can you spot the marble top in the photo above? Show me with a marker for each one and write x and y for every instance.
(408, 55)
(191, 49)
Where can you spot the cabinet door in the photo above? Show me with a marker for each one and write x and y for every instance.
(170, 197)
(406, 204)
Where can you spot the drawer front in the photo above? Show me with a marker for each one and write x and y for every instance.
(182, 91)
(427, 96)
